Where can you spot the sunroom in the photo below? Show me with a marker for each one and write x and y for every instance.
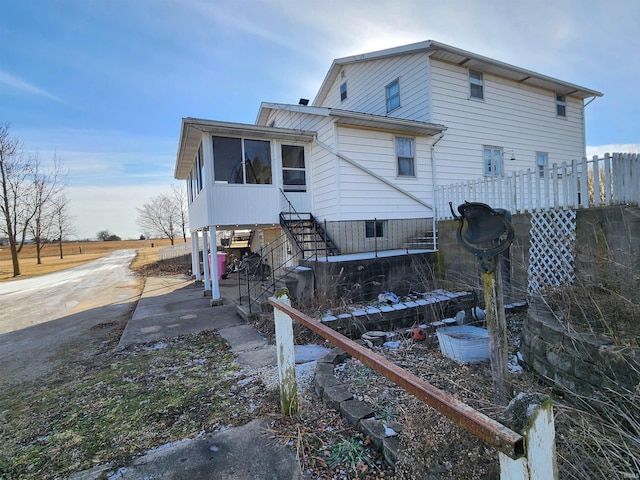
(237, 176)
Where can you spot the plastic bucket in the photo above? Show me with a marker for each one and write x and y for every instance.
(464, 343)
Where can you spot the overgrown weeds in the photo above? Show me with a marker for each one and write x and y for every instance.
(594, 309)
(120, 404)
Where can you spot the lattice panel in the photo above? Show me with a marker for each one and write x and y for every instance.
(551, 254)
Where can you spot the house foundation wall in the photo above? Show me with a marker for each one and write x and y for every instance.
(363, 280)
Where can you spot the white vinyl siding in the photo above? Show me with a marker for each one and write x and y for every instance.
(517, 117)
(367, 82)
(362, 196)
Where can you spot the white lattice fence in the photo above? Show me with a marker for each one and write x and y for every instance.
(551, 252)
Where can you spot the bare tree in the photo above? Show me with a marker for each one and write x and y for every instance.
(62, 220)
(17, 204)
(160, 217)
(180, 194)
(47, 186)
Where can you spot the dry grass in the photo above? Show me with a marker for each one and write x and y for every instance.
(72, 256)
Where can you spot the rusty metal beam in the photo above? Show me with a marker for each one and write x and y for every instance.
(486, 429)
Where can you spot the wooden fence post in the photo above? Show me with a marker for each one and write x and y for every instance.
(286, 356)
(531, 415)
(497, 328)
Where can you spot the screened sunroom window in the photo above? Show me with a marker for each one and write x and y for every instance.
(229, 167)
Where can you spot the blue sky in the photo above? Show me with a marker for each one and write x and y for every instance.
(104, 83)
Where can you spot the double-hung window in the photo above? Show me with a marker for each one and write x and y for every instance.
(405, 157)
(561, 105)
(393, 95)
(343, 91)
(476, 85)
(493, 160)
(293, 169)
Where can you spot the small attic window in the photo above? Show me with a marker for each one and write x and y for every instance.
(272, 124)
(343, 91)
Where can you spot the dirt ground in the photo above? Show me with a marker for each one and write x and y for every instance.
(74, 254)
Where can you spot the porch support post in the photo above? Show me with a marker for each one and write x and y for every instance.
(205, 263)
(215, 277)
(195, 257)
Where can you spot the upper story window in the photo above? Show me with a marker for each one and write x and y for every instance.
(293, 169)
(493, 160)
(476, 85)
(343, 91)
(405, 157)
(561, 105)
(393, 95)
(241, 161)
(542, 160)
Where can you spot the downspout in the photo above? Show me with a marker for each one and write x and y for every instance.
(435, 185)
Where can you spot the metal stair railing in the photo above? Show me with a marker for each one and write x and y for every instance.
(259, 289)
(306, 221)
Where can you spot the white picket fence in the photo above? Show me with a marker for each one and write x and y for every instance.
(173, 251)
(568, 185)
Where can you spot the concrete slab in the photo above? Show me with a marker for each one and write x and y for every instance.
(240, 453)
(243, 337)
(172, 306)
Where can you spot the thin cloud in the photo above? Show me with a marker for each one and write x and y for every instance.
(600, 150)
(22, 85)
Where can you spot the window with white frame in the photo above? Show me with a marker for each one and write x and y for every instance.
(493, 161)
(293, 169)
(542, 160)
(561, 105)
(200, 167)
(476, 85)
(343, 91)
(405, 157)
(241, 161)
(393, 95)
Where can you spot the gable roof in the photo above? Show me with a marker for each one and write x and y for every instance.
(458, 56)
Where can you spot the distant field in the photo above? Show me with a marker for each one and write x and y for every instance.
(74, 253)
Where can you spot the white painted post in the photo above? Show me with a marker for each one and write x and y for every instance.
(596, 181)
(195, 256)
(531, 415)
(286, 356)
(215, 282)
(205, 263)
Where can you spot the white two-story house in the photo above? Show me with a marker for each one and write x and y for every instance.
(362, 160)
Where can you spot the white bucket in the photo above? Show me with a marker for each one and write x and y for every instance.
(464, 343)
